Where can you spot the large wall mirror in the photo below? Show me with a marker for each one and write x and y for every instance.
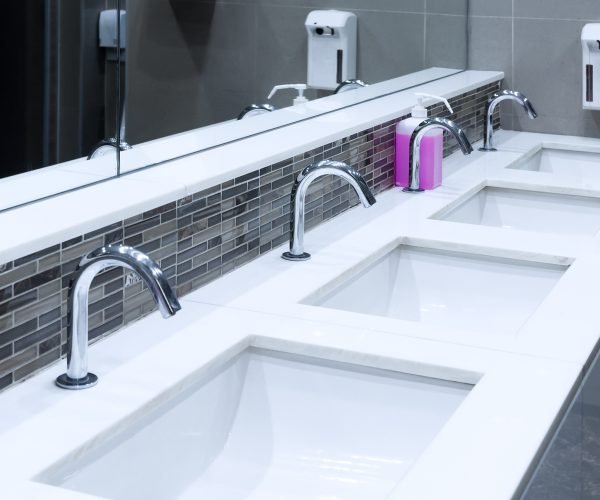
(59, 88)
(178, 68)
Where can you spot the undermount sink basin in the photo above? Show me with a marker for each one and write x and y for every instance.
(448, 289)
(271, 426)
(528, 210)
(562, 162)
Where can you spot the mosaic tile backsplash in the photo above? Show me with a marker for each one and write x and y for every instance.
(196, 240)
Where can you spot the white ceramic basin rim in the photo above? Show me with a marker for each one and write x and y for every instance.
(272, 426)
(529, 211)
(570, 164)
(445, 288)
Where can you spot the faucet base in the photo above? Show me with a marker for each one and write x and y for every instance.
(411, 190)
(76, 384)
(487, 150)
(291, 256)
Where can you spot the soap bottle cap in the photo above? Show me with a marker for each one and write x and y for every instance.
(420, 111)
(300, 87)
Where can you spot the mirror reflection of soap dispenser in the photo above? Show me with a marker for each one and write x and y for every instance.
(332, 48)
(110, 23)
(300, 87)
(432, 147)
(590, 43)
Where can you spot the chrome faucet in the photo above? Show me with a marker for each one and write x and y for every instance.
(414, 165)
(351, 84)
(303, 181)
(77, 375)
(108, 146)
(254, 110)
(497, 98)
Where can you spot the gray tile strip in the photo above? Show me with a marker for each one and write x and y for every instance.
(196, 240)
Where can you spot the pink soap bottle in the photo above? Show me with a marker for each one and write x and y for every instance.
(432, 147)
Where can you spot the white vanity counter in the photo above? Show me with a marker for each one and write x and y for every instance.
(522, 371)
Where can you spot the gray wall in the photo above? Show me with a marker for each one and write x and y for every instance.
(81, 108)
(196, 62)
(537, 44)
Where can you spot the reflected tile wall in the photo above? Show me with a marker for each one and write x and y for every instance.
(195, 240)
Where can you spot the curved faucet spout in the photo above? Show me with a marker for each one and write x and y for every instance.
(352, 84)
(415, 147)
(298, 199)
(255, 110)
(497, 98)
(77, 376)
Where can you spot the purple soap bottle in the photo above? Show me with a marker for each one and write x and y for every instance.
(432, 147)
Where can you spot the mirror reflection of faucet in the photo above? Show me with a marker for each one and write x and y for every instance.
(352, 84)
(112, 37)
(106, 147)
(255, 110)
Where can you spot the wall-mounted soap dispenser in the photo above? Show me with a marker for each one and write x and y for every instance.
(331, 48)
(590, 41)
(109, 25)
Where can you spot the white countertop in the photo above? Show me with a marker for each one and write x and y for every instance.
(359, 236)
(486, 447)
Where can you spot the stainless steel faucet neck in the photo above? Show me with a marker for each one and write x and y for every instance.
(352, 84)
(497, 98)
(255, 110)
(414, 162)
(298, 199)
(77, 376)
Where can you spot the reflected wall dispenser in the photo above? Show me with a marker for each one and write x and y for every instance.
(590, 42)
(332, 36)
(109, 23)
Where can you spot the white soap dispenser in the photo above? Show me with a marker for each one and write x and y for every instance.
(590, 41)
(432, 147)
(300, 87)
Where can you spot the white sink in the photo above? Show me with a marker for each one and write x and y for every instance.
(445, 289)
(271, 426)
(528, 210)
(574, 165)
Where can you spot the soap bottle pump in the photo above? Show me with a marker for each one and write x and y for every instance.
(432, 147)
(300, 87)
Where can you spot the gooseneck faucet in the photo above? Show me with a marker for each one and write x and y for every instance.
(298, 199)
(497, 98)
(77, 375)
(255, 110)
(414, 165)
(348, 85)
